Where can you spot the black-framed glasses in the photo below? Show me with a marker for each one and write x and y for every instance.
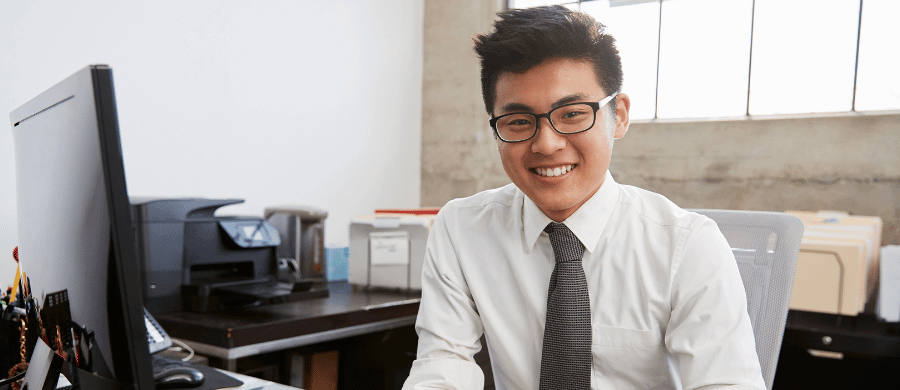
(566, 119)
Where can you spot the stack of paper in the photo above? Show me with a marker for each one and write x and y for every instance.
(837, 270)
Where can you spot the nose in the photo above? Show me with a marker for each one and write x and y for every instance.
(547, 141)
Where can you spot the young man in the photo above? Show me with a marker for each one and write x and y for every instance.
(575, 281)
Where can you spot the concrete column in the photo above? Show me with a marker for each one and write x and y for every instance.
(459, 154)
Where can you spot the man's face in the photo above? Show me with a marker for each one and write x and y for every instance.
(582, 158)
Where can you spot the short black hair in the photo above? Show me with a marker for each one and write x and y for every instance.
(524, 38)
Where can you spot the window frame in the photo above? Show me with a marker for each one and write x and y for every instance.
(859, 22)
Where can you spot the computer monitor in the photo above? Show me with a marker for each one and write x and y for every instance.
(75, 230)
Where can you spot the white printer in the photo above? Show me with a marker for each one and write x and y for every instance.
(387, 251)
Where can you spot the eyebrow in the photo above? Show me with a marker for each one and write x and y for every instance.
(519, 107)
(575, 97)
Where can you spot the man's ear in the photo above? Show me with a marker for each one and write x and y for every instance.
(623, 104)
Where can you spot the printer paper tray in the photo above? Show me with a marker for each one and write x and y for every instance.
(274, 292)
(231, 296)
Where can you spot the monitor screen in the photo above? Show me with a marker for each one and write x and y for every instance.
(75, 230)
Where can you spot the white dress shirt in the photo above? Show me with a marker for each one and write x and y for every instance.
(668, 308)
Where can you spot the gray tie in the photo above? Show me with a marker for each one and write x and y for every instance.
(566, 354)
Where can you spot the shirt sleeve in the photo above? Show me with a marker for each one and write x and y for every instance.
(448, 323)
(709, 331)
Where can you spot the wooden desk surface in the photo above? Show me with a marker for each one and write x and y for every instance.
(344, 307)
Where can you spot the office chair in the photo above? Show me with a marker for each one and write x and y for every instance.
(766, 246)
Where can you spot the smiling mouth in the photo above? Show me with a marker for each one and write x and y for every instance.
(553, 172)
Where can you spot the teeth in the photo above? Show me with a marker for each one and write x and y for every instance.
(552, 172)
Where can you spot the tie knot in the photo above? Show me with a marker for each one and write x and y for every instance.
(566, 246)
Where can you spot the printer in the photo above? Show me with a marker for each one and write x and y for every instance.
(192, 260)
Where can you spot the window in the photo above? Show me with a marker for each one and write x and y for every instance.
(804, 53)
(877, 78)
(709, 58)
(704, 55)
(636, 29)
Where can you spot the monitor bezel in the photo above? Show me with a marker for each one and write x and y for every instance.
(127, 331)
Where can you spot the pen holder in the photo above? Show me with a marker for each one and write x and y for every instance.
(11, 343)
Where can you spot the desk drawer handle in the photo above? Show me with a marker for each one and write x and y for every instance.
(825, 354)
(826, 340)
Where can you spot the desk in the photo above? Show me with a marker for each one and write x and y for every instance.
(347, 312)
(847, 352)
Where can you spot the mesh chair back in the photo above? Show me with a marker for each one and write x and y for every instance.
(766, 246)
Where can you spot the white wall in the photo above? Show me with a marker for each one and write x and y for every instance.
(274, 102)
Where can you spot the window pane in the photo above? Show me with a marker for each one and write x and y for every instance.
(535, 3)
(704, 58)
(636, 29)
(804, 53)
(878, 80)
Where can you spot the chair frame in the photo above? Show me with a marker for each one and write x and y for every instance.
(775, 269)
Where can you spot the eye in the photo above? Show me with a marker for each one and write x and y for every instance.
(573, 113)
(516, 122)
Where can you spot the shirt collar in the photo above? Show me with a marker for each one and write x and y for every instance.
(587, 222)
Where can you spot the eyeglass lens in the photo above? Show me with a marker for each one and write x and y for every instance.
(566, 119)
